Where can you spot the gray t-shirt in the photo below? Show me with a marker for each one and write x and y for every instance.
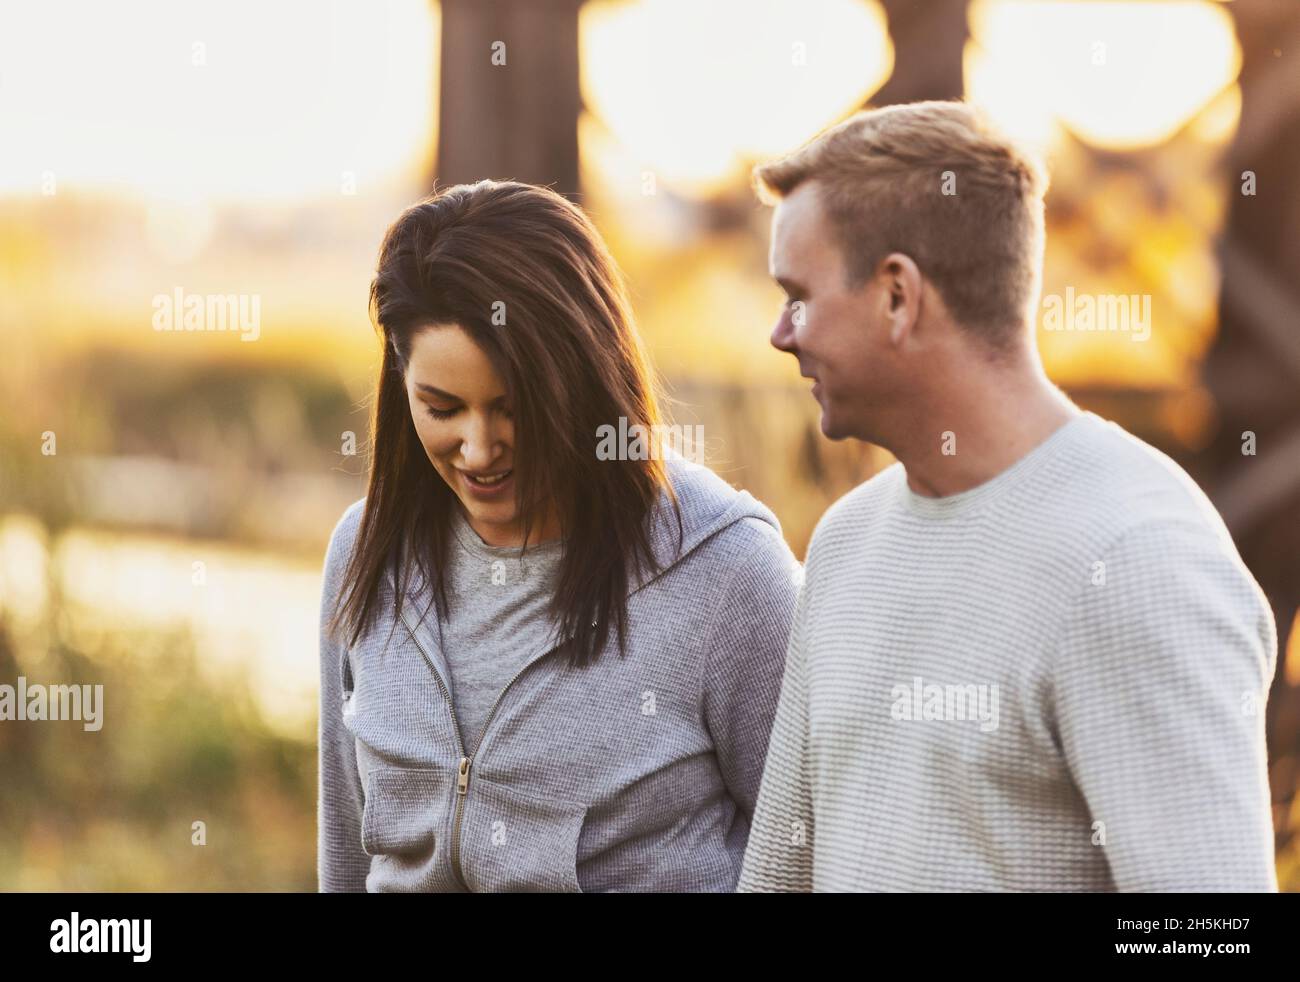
(500, 619)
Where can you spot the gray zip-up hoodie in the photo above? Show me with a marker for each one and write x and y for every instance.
(637, 773)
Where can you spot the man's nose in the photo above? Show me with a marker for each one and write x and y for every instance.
(783, 334)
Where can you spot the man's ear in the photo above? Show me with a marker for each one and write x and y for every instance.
(902, 282)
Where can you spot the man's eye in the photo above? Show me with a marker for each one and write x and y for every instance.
(441, 413)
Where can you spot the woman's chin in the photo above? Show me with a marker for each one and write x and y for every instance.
(493, 522)
(503, 513)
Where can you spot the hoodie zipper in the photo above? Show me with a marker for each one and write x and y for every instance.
(462, 769)
(465, 762)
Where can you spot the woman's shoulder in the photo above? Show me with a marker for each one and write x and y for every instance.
(344, 536)
(731, 528)
(749, 540)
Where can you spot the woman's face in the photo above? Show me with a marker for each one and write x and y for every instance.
(461, 413)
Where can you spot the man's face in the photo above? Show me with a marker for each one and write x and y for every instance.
(835, 332)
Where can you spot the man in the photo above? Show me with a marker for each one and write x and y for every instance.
(1026, 656)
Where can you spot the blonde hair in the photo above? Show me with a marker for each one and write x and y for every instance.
(937, 182)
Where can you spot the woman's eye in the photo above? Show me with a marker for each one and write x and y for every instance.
(441, 413)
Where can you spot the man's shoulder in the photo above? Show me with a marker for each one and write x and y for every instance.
(851, 513)
(1102, 482)
(1169, 557)
(1125, 483)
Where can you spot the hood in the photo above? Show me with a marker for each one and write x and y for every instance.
(708, 505)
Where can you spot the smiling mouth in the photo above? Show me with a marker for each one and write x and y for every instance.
(485, 482)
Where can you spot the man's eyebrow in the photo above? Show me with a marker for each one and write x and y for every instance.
(788, 285)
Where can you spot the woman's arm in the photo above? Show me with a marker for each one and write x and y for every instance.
(341, 863)
(745, 658)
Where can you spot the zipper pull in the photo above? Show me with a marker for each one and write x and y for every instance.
(462, 776)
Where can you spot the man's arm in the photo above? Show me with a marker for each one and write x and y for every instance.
(1159, 690)
(779, 855)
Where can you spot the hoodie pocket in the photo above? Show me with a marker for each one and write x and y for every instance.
(405, 811)
(514, 841)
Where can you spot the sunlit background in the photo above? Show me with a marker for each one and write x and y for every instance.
(165, 497)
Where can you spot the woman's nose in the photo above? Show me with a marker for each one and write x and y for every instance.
(480, 443)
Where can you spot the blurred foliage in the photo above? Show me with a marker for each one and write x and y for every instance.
(114, 809)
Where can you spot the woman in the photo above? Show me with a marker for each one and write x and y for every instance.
(542, 668)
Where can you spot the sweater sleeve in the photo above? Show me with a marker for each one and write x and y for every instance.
(745, 654)
(341, 863)
(779, 854)
(1159, 688)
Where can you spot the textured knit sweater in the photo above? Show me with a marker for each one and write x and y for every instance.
(1052, 681)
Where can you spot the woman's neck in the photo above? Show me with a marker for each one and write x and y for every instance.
(511, 536)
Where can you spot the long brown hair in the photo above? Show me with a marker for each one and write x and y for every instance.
(571, 361)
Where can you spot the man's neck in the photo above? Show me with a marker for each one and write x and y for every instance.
(976, 430)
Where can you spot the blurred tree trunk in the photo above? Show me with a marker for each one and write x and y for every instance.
(508, 98)
(928, 42)
(1253, 368)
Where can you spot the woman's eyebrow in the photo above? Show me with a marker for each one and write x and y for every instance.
(439, 393)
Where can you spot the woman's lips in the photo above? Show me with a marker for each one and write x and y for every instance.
(489, 491)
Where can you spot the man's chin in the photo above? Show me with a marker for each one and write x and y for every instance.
(830, 429)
